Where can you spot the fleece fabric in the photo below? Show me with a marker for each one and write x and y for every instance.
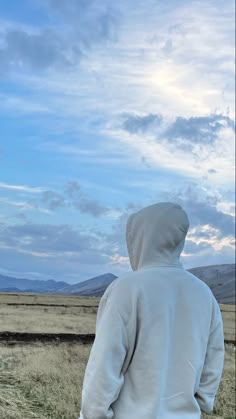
(159, 346)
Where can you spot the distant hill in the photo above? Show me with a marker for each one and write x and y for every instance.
(95, 286)
(11, 284)
(220, 278)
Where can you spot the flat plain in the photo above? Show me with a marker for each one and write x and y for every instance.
(47, 313)
(44, 381)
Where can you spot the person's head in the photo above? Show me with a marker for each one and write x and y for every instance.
(156, 235)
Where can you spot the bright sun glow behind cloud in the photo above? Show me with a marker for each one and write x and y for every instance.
(105, 108)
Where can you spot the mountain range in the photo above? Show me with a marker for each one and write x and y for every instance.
(220, 278)
(94, 286)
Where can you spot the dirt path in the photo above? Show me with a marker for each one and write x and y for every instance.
(15, 338)
(49, 305)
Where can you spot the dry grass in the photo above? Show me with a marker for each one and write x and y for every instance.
(47, 319)
(225, 400)
(45, 382)
(228, 315)
(60, 315)
(6, 297)
(41, 382)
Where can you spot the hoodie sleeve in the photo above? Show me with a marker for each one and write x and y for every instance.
(104, 378)
(213, 365)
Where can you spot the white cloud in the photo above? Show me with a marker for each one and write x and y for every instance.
(24, 206)
(22, 188)
(147, 58)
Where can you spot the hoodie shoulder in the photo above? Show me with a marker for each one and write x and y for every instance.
(200, 285)
(118, 284)
(122, 294)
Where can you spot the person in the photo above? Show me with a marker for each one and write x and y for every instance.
(159, 346)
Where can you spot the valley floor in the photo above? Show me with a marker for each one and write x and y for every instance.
(46, 313)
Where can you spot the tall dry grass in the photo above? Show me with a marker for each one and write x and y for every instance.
(45, 382)
(42, 382)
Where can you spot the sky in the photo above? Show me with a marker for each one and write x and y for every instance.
(106, 107)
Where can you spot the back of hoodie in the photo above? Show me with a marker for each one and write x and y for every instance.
(159, 347)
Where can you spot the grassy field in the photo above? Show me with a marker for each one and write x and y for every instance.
(45, 382)
(47, 313)
(27, 298)
(47, 319)
(66, 314)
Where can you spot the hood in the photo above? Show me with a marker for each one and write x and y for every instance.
(155, 235)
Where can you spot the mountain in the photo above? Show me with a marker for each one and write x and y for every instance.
(95, 286)
(11, 284)
(221, 280)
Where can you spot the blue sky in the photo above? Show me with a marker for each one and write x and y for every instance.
(106, 107)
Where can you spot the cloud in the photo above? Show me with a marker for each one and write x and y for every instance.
(53, 200)
(92, 20)
(197, 129)
(21, 216)
(23, 206)
(172, 91)
(115, 241)
(21, 188)
(44, 239)
(76, 27)
(73, 197)
(210, 239)
(36, 51)
(206, 141)
(90, 206)
(63, 251)
(39, 51)
(203, 254)
(203, 209)
(72, 189)
(142, 124)
(57, 251)
(201, 129)
(212, 171)
(21, 106)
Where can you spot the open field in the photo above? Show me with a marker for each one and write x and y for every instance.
(50, 299)
(46, 313)
(45, 382)
(47, 319)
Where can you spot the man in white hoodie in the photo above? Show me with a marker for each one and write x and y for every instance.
(159, 346)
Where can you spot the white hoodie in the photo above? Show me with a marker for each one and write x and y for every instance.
(159, 346)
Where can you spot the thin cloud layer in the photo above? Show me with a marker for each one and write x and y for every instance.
(75, 27)
(106, 108)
